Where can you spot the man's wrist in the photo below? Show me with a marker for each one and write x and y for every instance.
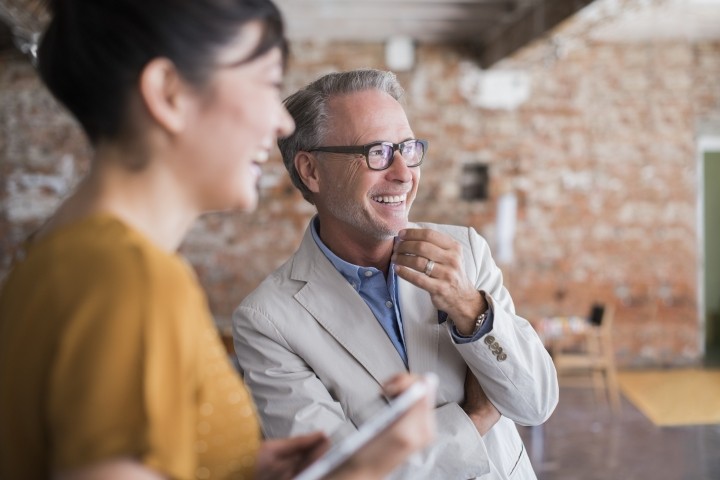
(472, 323)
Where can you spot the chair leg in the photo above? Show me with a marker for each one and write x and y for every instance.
(599, 386)
(613, 389)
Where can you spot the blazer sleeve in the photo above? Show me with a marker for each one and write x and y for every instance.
(510, 361)
(291, 400)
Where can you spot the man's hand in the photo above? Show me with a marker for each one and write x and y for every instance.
(477, 406)
(283, 459)
(444, 279)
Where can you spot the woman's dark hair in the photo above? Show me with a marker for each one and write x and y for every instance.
(93, 51)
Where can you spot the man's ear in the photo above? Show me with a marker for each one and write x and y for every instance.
(306, 166)
(164, 94)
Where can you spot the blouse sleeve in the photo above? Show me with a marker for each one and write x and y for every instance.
(124, 378)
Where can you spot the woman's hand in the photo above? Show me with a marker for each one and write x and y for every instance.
(283, 459)
(410, 433)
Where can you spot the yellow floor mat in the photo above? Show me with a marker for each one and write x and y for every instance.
(674, 397)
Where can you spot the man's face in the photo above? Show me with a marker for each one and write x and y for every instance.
(359, 201)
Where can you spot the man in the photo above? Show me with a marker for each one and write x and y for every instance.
(369, 294)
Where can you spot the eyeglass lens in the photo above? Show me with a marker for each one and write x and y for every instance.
(381, 155)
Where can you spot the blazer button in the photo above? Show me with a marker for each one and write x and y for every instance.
(501, 357)
(489, 340)
(497, 351)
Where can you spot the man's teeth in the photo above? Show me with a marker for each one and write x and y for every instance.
(390, 198)
(261, 156)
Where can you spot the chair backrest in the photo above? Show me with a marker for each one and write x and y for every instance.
(605, 327)
(601, 317)
(597, 312)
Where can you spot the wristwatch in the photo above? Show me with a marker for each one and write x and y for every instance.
(478, 324)
(479, 321)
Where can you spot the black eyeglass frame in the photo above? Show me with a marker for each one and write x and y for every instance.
(365, 151)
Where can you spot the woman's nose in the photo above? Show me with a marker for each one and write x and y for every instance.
(286, 124)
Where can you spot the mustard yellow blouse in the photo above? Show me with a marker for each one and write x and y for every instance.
(108, 349)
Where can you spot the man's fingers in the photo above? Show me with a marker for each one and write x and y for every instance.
(419, 279)
(430, 245)
(420, 249)
(426, 235)
(419, 264)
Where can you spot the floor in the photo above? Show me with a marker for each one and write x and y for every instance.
(583, 441)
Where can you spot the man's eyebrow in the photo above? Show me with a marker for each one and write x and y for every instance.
(381, 141)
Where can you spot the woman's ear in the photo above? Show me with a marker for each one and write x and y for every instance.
(164, 94)
(306, 166)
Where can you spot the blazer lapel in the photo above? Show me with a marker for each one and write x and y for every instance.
(342, 312)
(420, 326)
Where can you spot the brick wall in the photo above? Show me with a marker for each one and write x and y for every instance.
(601, 157)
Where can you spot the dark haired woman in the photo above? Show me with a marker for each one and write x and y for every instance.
(110, 365)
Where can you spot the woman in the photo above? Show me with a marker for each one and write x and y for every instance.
(110, 365)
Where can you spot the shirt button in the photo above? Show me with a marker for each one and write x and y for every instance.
(388, 304)
(368, 273)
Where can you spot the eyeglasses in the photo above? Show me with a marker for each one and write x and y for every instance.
(380, 155)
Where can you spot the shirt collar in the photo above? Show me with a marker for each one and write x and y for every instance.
(352, 273)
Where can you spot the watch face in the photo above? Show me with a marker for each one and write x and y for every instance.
(480, 320)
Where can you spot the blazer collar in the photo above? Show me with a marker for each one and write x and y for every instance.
(335, 305)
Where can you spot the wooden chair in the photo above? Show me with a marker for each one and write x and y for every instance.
(592, 361)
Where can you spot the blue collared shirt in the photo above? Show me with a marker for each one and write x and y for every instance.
(379, 293)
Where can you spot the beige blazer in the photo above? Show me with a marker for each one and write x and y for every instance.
(314, 356)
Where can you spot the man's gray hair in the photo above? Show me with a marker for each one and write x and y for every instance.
(309, 108)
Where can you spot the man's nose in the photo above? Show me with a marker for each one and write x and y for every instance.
(399, 170)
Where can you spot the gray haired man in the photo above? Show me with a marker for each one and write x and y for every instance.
(369, 294)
